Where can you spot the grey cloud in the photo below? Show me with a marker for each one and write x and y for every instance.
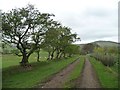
(87, 34)
(93, 24)
(97, 36)
(89, 20)
(100, 12)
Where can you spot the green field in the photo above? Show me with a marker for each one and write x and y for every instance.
(13, 77)
(63, 60)
(11, 60)
(108, 76)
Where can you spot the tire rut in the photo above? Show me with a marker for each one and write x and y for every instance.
(59, 79)
(88, 78)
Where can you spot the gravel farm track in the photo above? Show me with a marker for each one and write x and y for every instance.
(87, 79)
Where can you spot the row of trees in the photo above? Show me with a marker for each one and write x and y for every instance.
(58, 41)
(30, 30)
(106, 50)
(107, 55)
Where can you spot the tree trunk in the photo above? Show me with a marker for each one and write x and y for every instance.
(57, 54)
(48, 56)
(38, 56)
(52, 54)
(60, 56)
(24, 60)
(64, 55)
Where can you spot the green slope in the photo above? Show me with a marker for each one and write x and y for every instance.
(103, 44)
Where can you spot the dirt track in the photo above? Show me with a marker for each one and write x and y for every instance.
(59, 79)
(88, 78)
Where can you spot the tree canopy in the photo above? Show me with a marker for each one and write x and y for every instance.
(30, 30)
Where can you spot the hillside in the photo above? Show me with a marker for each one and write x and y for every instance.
(103, 44)
(106, 43)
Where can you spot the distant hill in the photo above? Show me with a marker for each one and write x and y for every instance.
(103, 44)
(106, 43)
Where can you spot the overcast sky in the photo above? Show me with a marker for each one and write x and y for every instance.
(92, 20)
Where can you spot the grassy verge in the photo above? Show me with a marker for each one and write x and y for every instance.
(17, 77)
(75, 74)
(107, 78)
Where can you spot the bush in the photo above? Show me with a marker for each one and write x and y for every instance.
(107, 60)
(97, 56)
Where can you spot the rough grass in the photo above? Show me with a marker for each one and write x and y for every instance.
(17, 77)
(12, 60)
(106, 75)
(75, 74)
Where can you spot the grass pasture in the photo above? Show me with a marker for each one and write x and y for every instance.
(12, 60)
(13, 77)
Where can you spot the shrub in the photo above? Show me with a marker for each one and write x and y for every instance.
(97, 56)
(108, 60)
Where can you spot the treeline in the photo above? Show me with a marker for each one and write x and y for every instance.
(107, 55)
(57, 42)
(30, 30)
